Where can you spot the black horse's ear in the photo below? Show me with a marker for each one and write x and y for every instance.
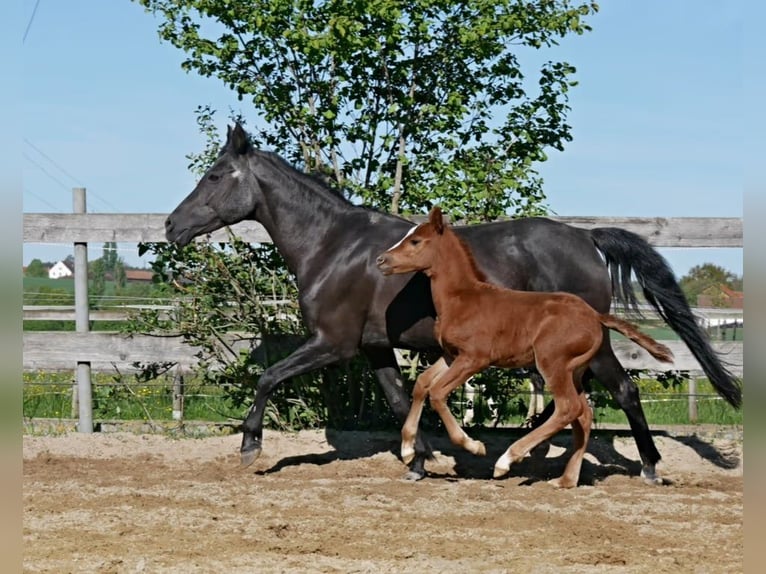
(435, 219)
(237, 139)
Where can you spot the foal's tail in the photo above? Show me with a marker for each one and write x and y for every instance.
(657, 350)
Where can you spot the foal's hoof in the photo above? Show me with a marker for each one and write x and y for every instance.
(561, 482)
(500, 471)
(246, 458)
(408, 454)
(477, 447)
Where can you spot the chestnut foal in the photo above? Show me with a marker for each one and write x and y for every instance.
(480, 325)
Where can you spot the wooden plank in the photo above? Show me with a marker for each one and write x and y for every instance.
(118, 227)
(51, 350)
(672, 231)
(149, 227)
(61, 350)
(631, 356)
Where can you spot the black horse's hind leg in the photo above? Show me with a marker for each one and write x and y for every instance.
(313, 354)
(609, 372)
(383, 363)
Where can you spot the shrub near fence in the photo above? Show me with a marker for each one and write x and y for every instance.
(85, 351)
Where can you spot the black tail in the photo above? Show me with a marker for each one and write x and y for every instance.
(625, 253)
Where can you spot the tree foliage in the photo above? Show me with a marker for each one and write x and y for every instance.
(36, 269)
(704, 276)
(402, 103)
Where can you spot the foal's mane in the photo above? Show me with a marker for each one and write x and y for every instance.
(463, 247)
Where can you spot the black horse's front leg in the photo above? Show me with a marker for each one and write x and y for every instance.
(383, 363)
(313, 354)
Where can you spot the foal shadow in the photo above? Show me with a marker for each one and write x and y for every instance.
(549, 459)
(545, 462)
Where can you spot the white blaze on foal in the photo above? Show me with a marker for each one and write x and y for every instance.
(406, 235)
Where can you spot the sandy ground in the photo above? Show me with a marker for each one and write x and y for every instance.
(334, 502)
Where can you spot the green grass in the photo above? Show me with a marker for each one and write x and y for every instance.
(49, 395)
(34, 283)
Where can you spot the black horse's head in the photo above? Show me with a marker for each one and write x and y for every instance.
(225, 195)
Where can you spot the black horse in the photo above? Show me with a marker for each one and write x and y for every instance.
(330, 245)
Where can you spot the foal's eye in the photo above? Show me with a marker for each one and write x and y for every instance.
(414, 241)
(214, 177)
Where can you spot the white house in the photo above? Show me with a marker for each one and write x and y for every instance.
(59, 270)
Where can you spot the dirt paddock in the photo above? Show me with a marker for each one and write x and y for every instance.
(321, 501)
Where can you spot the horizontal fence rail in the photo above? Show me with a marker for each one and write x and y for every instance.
(107, 351)
(150, 227)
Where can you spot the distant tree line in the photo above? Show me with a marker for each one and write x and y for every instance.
(701, 278)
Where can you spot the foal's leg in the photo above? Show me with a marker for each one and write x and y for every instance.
(410, 428)
(568, 407)
(580, 433)
(460, 371)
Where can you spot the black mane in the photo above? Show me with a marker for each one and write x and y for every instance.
(311, 180)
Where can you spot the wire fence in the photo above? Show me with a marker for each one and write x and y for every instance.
(49, 395)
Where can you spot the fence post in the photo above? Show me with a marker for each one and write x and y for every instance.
(82, 322)
(178, 398)
(692, 400)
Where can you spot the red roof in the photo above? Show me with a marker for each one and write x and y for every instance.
(138, 275)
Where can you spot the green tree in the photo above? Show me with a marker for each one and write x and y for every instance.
(112, 264)
(109, 256)
(702, 277)
(97, 272)
(400, 103)
(36, 269)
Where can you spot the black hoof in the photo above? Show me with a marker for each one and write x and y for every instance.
(413, 476)
(650, 476)
(248, 457)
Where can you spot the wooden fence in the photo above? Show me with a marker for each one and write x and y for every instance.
(84, 350)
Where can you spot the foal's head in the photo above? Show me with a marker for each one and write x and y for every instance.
(417, 250)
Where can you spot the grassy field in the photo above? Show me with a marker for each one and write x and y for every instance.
(66, 284)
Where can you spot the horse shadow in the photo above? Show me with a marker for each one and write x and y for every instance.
(545, 462)
(347, 445)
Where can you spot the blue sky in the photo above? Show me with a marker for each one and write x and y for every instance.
(657, 117)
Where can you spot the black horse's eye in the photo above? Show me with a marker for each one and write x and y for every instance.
(214, 177)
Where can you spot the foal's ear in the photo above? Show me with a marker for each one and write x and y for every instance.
(237, 139)
(435, 219)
